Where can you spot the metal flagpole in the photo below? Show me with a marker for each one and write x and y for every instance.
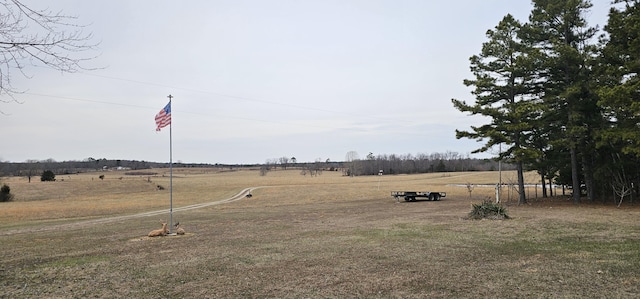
(170, 171)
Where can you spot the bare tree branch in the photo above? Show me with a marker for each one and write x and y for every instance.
(38, 38)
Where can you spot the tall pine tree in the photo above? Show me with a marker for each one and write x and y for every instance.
(620, 90)
(557, 28)
(505, 91)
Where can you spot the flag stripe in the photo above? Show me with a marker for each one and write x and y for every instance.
(163, 118)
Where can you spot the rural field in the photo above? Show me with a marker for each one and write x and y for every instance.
(326, 236)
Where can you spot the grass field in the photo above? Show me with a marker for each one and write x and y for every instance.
(307, 237)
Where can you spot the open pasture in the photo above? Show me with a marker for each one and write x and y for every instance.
(306, 237)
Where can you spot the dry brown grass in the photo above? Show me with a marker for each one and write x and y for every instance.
(303, 237)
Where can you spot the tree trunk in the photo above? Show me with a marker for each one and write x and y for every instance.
(575, 179)
(523, 198)
(544, 186)
(588, 176)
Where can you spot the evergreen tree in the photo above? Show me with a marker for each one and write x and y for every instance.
(505, 90)
(47, 176)
(557, 28)
(620, 90)
(5, 193)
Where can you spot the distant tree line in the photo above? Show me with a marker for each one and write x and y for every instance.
(420, 163)
(388, 164)
(32, 168)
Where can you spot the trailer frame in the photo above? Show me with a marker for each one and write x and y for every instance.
(412, 195)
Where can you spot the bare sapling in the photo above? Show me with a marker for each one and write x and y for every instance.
(159, 232)
(470, 188)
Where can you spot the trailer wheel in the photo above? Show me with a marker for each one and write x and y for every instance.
(436, 197)
(407, 198)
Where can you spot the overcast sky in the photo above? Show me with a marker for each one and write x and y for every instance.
(254, 80)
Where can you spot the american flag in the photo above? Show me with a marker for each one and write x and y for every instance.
(163, 118)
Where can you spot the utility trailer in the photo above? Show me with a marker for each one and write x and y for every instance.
(412, 195)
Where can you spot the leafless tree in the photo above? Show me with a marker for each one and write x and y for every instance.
(270, 164)
(38, 37)
(284, 162)
(470, 188)
(313, 169)
(32, 169)
(620, 185)
(317, 167)
(351, 158)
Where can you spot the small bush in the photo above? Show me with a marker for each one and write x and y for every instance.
(48, 176)
(5, 193)
(488, 210)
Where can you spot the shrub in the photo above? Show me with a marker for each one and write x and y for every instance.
(48, 176)
(5, 193)
(488, 210)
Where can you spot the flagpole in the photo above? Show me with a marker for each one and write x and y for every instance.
(170, 171)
